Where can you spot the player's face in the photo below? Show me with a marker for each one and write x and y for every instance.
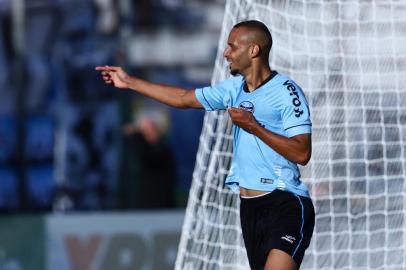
(237, 51)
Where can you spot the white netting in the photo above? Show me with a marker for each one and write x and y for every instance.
(350, 59)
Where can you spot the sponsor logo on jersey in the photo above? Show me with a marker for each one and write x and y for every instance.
(295, 97)
(247, 105)
(266, 181)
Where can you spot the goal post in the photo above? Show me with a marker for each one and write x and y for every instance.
(350, 59)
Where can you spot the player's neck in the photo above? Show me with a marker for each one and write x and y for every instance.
(256, 76)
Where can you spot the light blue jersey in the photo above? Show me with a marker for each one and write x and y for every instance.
(280, 106)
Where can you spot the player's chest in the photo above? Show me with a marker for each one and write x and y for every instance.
(263, 106)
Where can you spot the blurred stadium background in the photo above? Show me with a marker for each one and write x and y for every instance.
(91, 177)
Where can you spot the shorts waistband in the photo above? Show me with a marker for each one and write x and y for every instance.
(257, 196)
(257, 199)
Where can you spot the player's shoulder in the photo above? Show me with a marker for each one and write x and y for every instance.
(285, 81)
(234, 81)
(287, 85)
(287, 91)
(231, 84)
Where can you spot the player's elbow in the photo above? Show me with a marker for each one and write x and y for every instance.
(303, 149)
(304, 157)
(181, 101)
(181, 105)
(304, 162)
(188, 100)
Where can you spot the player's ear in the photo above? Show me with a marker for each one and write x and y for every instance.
(255, 50)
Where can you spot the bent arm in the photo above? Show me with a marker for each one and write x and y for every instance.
(297, 148)
(170, 95)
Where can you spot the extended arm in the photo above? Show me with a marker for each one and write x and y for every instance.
(170, 95)
(296, 148)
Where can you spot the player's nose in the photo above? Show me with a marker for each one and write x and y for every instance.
(226, 52)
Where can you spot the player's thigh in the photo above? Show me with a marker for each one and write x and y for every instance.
(279, 260)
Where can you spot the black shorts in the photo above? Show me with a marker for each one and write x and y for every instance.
(279, 220)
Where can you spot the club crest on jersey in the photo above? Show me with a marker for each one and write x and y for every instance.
(247, 105)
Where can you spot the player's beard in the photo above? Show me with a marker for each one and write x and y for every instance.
(234, 71)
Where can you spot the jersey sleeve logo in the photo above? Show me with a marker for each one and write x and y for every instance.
(247, 105)
(295, 98)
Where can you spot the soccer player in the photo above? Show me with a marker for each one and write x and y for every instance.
(272, 134)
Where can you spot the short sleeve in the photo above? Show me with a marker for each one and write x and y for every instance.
(295, 110)
(219, 96)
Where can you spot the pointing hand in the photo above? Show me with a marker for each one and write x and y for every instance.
(114, 75)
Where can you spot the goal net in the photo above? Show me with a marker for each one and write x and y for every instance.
(350, 59)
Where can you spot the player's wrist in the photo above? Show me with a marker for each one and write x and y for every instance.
(130, 82)
(254, 128)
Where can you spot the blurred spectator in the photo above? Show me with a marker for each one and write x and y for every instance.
(155, 181)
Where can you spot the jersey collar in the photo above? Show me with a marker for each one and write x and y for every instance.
(270, 77)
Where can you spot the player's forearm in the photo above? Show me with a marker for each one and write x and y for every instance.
(295, 149)
(170, 95)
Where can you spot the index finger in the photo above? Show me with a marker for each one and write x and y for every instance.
(106, 68)
(232, 109)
